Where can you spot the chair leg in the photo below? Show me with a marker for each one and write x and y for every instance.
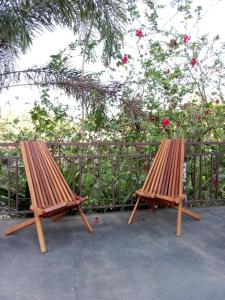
(134, 211)
(40, 233)
(85, 220)
(19, 226)
(189, 213)
(179, 219)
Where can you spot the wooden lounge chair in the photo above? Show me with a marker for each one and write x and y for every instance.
(50, 194)
(164, 183)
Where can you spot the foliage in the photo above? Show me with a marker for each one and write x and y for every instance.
(21, 21)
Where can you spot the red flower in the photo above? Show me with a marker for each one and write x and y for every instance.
(193, 61)
(198, 117)
(165, 122)
(139, 33)
(124, 59)
(217, 101)
(186, 38)
(208, 111)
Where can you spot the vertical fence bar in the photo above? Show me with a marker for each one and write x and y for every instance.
(17, 185)
(93, 177)
(211, 178)
(217, 175)
(194, 179)
(9, 184)
(200, 177)
(100, 180)
(80, 174)
(118, 185)
(113, 180)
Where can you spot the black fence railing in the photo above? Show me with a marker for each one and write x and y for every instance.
(109, 173)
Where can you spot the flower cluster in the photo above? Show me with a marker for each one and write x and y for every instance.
(193, 61)
(186, 38)
(198, 117)
(139, 33)
(217, 101)
(165, 122)
(124, 59)
(208, 111)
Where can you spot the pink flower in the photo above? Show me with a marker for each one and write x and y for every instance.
(165, 122)
(193, 61)
(198, 117)
(208, 111)
(217, 101)
(186, 38)
(124, 59)
(139, 33)
(96, 220)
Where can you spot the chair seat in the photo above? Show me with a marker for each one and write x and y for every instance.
(150, 196)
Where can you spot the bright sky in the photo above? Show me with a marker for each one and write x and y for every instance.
(51, 42)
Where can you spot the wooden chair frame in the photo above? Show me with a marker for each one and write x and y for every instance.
(164, 182)
(51, 196)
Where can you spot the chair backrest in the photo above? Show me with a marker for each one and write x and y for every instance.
(47, 185)
(165, 177)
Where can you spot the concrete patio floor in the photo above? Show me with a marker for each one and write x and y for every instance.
(142, 261)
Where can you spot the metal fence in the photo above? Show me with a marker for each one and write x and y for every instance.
(109, 173)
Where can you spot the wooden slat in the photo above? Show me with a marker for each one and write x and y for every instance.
(159, 169)
(162, 145)
(169, 164)
(62, 187)
(52, 184)
(154, 171)
(43, 177)
(34, 193)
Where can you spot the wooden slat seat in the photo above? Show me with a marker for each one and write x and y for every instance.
(164, 182)
(50, 194)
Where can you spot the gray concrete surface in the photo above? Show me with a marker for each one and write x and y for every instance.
(142, 261)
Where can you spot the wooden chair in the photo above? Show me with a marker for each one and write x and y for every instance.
(164, 183)
(51, 196)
